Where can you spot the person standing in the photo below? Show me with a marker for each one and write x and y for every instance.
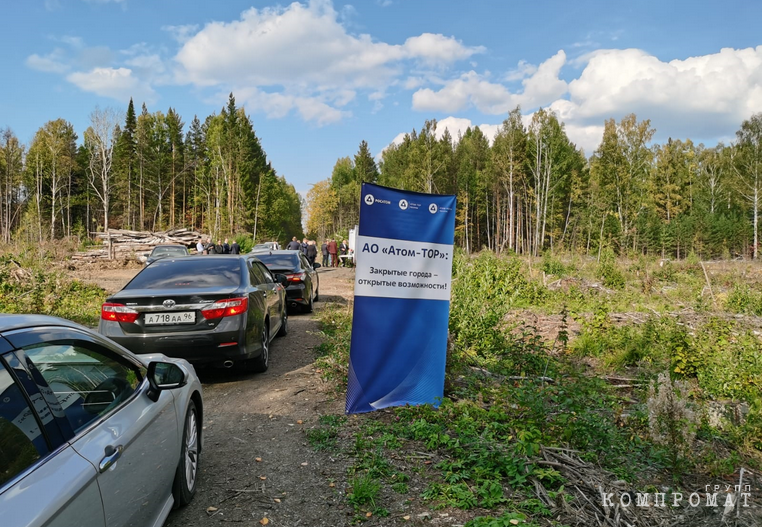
(210, 249)
(333, 250)
(311, 252)
(226, 247)
(294, 244)
(324, 250)
(343, 250)
(200, 246)
(235, 248)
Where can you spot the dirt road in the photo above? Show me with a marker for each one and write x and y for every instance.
(256, 462)
(257, 466)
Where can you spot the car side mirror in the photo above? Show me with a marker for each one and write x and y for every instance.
(164, 376)
(281, 279)
(316, 265)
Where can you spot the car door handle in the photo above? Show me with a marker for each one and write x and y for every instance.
(112, 455)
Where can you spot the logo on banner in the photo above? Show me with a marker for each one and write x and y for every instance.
(433, 208)
(403, 204)
(369, 199)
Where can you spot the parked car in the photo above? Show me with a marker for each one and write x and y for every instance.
(221, 310)
(266, 246)
(91, 434)
(303, 281)
(166, 251)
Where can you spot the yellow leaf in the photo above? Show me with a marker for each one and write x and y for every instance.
(263, 478)
(406, 518)
(514, 522)
(211, 509)
(368, 514)
(258, 459)
(331, 485)
(299, 422)
(264, 521)
(276, 500)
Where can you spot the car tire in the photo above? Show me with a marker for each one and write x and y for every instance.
(283, 331)
(261, 363)
(186, 477)
(310, 306)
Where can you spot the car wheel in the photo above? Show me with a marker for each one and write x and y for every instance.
(284, 324)
(261, 363)
(186, 477)
(310, 306)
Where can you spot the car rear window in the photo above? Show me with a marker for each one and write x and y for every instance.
(193, 272)
(180, 251)
(279, 261)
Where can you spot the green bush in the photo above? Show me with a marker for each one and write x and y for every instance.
(608, 271)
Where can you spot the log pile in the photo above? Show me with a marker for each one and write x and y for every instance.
(136, 244)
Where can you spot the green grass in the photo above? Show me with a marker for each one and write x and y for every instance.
(481, 448)
(29, 285)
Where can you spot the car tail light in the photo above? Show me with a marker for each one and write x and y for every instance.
(118, 313)
(297, 277)
(226, 308)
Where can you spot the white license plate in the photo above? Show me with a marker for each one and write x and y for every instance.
(181, 317)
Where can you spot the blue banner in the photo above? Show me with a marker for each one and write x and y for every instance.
(403, 254)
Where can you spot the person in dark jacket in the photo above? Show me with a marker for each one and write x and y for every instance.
(210, 249)
(324, 250)
(294, 245)
(226, 247)
(343, 251)
(311, 252)
(235, 248)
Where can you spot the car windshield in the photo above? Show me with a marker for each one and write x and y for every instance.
(169, 251)
(189, 273)
(279, 261)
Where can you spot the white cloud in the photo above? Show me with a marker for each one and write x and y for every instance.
(473, 89)
(702, 97)
(50, 63)
(437, 49)
(305, 51)
(116, 83)
(278, 105)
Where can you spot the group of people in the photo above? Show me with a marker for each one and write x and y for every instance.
(207, 246)
(330, 249)
(333, 252)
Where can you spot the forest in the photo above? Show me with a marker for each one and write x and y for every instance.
(530, 189)
(144, 171)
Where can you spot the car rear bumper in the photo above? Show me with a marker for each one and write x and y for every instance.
(297, 295)
(225, 343)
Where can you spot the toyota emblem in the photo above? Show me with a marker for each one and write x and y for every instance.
(169, 304)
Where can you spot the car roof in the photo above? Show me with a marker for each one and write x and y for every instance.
(11, 322)
(170, 245)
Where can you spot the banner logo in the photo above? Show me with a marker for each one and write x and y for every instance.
(433, 208)
(369, 199)
(403, 204)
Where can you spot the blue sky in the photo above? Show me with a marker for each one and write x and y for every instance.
(318, 76)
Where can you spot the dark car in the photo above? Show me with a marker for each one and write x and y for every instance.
(91, 434)
(222, 310)
(303, 281)
(166, 251)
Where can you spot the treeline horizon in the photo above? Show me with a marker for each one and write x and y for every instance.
(144, 171)
(531, 189)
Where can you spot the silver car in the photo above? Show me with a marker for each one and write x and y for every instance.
(90, 434)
